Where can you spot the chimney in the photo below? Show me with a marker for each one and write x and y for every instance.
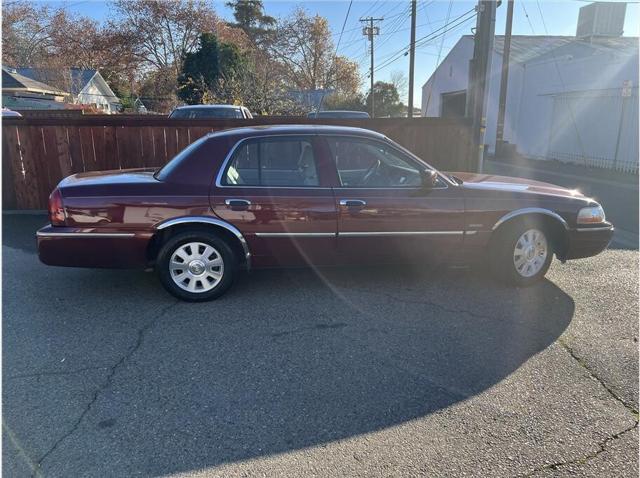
(601, 19)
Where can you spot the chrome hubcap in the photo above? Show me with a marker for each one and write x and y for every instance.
(530, 253)
(196, 267)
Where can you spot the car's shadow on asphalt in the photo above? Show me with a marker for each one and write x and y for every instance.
(287, 359)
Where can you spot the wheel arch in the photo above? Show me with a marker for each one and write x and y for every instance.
(223, 229)
(553, 222)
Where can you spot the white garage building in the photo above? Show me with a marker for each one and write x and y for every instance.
(573, 99)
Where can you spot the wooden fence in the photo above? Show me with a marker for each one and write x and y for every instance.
(38, 152)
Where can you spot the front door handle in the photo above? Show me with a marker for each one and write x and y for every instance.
(238, 204)
(353, 203)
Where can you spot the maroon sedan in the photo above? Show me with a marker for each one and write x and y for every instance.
(310, 195)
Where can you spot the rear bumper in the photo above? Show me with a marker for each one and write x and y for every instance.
(81, 247)
(588, 241)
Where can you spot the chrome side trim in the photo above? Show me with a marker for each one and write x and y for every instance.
(470, 233)
(400, 233)
(104, 235)
(361, 233)
(589, 229)
(385, 141)
(530, 210)
(296, 234)
(213, 221)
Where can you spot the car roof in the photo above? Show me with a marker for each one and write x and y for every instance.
(341, 111)
(293, 129)
(7, 113)
(194, 107)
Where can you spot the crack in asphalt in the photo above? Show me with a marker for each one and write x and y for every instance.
(443, 308)
(52, 373)
(96, 394)
(313, 328)
(436, 305)
(602, 446)
(591, 373)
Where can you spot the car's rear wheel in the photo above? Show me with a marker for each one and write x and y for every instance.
(522, 253)
(196, 266)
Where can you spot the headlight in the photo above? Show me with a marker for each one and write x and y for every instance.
(591, 215)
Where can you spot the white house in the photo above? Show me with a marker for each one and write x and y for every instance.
(87, 87)
(573, 99)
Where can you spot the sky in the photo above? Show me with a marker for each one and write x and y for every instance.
(535, 17)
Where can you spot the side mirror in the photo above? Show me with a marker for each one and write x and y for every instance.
(429, 178)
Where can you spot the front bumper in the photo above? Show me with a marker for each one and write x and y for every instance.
(88, 247)
(588, 241)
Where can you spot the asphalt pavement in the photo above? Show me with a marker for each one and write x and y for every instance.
(394, 371)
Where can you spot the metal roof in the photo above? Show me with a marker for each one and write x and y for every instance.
(78, 77)
(528, 47)
(12, 80)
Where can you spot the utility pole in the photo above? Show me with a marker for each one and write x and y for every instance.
(371, 31)
(412, 57)
(504, 80)
(479, 69)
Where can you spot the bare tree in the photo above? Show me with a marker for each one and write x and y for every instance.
(399, 80)
(304, 47)
(25, 33)
(164, 31)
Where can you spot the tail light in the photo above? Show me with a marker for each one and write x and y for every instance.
(56, 209)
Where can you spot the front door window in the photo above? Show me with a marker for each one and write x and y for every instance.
(363, 163)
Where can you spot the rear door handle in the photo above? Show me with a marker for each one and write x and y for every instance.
(238, 204)
(353, 203)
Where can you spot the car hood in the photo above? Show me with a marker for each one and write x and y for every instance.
(490, 182)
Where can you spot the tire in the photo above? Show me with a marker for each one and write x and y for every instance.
(521, 253)
(210, 266)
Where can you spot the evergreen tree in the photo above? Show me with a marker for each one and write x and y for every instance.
(207, 70)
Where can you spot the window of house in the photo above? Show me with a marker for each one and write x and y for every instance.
(278, 162)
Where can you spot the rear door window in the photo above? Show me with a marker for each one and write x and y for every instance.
(275, 162)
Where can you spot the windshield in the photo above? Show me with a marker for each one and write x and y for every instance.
(200, 113)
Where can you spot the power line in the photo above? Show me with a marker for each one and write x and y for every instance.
(346, 17)
(528, 19)
(394, 27)
(430, 37)
(435, 72)
(454, 20)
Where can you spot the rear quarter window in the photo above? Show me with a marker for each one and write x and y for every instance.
(168, 168)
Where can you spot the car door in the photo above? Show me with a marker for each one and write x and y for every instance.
(275, 190)
(384, 211)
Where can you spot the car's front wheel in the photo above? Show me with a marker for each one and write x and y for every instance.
(196, 266)
(521, 254)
